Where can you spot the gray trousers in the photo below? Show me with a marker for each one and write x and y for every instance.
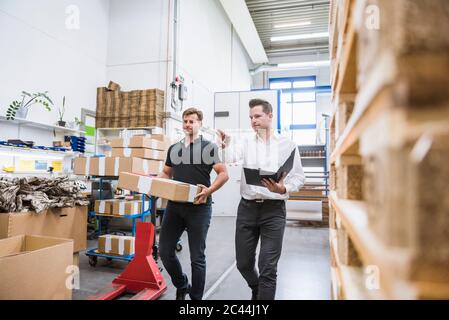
(265, 221)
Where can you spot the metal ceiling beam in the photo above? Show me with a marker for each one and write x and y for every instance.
(241, 19)
(268, 13)
(281, 5)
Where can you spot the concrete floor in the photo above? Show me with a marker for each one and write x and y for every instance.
(303, 271)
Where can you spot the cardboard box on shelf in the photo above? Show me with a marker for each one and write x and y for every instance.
(128, 208)
(112, 166)
(104, 206)
(81, 166)
(34, 268)
(98, 166)
(122, 245)
(139, 142)
(65, 223)
(162, 188)
(141, 166)
(139, 153)
(116, 245)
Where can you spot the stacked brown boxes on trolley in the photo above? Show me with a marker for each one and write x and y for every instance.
(389, 212)
(133, 109)
(143, 155)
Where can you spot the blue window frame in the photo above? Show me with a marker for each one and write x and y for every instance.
(297, 107)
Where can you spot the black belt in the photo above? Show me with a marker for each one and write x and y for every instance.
(263, 200)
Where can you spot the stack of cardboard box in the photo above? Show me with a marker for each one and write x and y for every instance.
(117, 207)
(146, 147)
(131, 109)
(143, 155)
(116, 245)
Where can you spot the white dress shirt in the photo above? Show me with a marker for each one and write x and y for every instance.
(255, 153)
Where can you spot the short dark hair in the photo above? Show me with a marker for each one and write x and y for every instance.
(267, 108)
(190, 111)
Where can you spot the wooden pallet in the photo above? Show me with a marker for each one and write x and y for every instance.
(348, 281)
(393, 263)
(389, 141)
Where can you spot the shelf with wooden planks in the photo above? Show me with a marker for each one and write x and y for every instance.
(310, 190)
(342, 44)
(352, 280)
(318, 193)
(393, 263)
(389, 145)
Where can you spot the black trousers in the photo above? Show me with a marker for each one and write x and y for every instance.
(195, 219)
(265, 221)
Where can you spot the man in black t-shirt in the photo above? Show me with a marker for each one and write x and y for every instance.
(191, 161)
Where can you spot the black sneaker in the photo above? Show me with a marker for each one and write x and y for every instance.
(181, 293)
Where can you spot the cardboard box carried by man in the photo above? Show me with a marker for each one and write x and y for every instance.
(161, 188)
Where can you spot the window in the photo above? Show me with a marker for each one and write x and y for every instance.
(304, 113)
(305, 136)
(298, 108)
(304, 97)
(304, 84)
(280, 85)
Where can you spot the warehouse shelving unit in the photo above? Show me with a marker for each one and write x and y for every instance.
(32, 152)
(381, 247)
(349, 232)
(39, 125)
(15, 152)
(316, 187)
(312, 158)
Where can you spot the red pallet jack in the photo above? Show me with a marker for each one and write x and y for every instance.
(142, 276)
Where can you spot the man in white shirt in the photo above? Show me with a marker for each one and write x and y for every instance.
(261, 212)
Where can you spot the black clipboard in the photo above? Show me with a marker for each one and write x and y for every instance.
(254, 176)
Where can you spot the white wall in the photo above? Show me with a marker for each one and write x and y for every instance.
(137, 48)
(40, 54)
(211, 56)
(124, 41)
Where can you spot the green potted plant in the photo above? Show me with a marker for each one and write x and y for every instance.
(20, 108)
(61, 112)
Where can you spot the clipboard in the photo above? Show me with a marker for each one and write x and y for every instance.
(254, 176)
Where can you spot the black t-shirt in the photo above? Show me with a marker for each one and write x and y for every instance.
(194, 163)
